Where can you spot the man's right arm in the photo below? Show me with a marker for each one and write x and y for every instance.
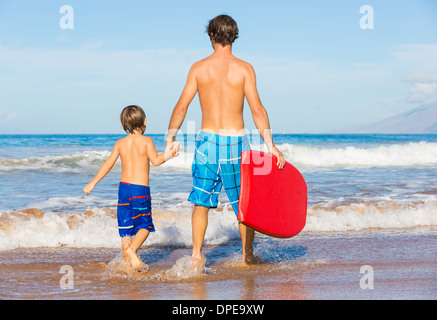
(259, 113)
(180, 110)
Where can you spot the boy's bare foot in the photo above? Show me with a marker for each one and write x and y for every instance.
(143, 268)
(126, 242)
(134, 260)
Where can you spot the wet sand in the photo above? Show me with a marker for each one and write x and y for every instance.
(308, 266)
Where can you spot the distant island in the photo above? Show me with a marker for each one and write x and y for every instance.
(421, 120)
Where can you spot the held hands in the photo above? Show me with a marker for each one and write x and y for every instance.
(172, 150)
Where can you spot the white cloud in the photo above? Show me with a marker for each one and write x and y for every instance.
(422, 92)
(421, 56)
(424, 87)
(420, 62)
(420, 77)
(16, 117)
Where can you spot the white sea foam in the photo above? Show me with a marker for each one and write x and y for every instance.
(70, 204)
(54, 230)
(98, 227)
(363, 216)
(410, 154)
(74, 163)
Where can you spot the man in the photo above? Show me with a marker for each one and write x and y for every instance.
(222, 81)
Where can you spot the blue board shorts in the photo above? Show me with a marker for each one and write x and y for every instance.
(216, 163)
(134, 209)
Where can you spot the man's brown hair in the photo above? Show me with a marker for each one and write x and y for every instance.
(223, 30)
(132, 119)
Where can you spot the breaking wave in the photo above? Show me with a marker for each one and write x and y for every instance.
(73, 163)
(97, 227)
(411, 154)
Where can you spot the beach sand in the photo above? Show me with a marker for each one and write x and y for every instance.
(402, 264)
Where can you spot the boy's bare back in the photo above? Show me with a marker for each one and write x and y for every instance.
(134, 150)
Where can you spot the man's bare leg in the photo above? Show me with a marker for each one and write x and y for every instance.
(247, 235)
(199, 222)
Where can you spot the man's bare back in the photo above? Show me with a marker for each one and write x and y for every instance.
(220, 84)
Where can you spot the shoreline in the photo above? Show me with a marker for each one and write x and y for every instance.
(322, 266)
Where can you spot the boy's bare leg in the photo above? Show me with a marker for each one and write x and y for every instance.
(199, 222)
(139, 239)
(247, 235)
(126, 242)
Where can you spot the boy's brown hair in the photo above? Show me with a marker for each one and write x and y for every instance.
(223, 30)
(132, 119)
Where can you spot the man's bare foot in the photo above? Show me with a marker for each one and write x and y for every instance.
(197, 263)
(249, 259)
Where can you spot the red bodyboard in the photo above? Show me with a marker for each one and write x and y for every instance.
(272, 201)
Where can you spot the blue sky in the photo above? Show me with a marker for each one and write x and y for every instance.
(317, 70)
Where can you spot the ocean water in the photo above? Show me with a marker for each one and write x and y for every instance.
(355, 183)
(372, 202)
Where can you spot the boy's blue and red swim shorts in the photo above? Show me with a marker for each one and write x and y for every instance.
(134, 209)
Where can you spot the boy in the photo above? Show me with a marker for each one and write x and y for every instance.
(134, 202)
